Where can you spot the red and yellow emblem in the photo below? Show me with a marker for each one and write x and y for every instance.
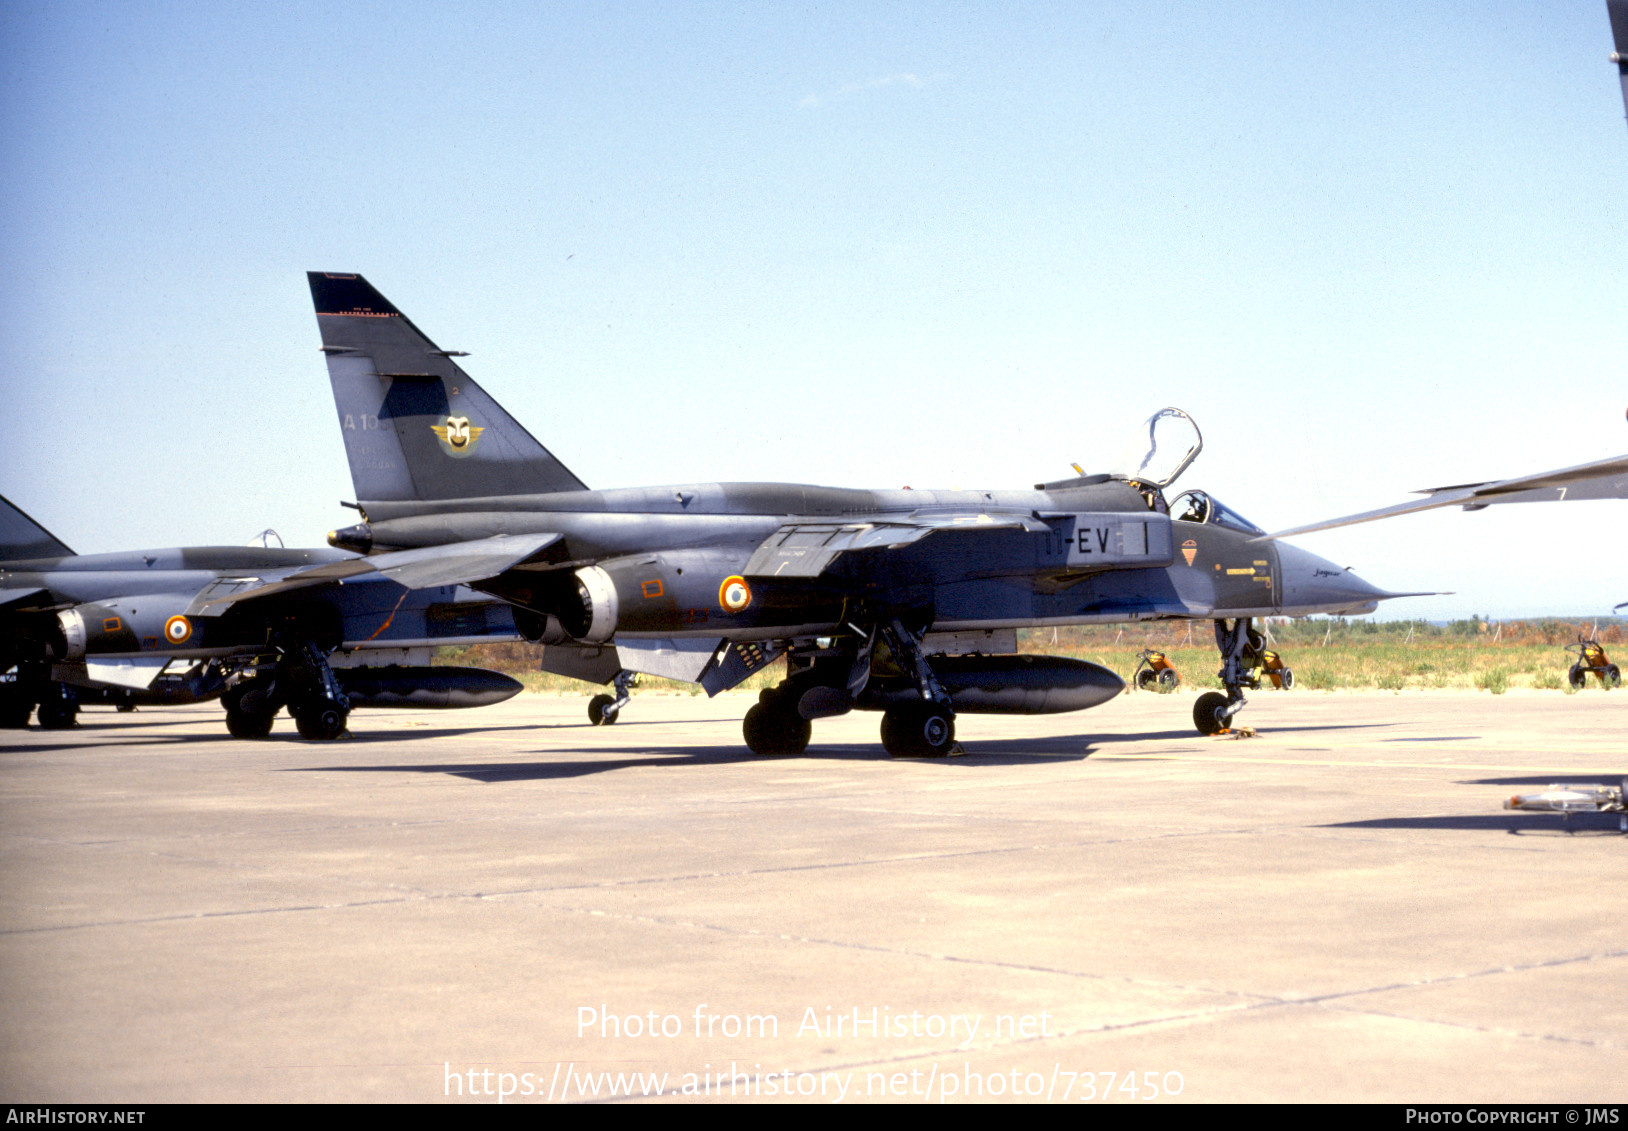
(734, 594)
(1189, 550)
(178, 630)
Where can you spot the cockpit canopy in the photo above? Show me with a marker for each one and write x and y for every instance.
(1160, 450)
(1196, 506)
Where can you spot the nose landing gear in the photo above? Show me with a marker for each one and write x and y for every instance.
(1241, 648)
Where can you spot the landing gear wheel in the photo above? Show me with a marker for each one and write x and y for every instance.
(1577, 676)
(1613, 675)
(771, 729)
(924, 730)
(1168, 680)
(15, 707)
(1146, 678)
(1287, 676)
(320, 723)
(58, 714)
(596, 711)
(1207, 713)
(246, 716)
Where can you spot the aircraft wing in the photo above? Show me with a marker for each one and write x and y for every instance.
(1602, 479)
(807, 548)
(460, 563)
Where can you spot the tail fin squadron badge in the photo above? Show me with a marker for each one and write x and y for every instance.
(1189, 550)
(458, 437)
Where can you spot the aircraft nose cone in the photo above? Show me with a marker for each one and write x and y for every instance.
(1316, 585)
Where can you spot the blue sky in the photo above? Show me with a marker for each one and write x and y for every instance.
(1370, 248)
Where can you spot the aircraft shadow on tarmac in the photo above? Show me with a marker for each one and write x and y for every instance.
(999, 752)
(142, 742)
(1513, 823)
(1605, 778)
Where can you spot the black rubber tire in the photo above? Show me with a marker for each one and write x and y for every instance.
(1287, 675)
(1204, 713)
(1613, 675)
(770, 730)
(1146, 678)
(1168, 679)
(918, 730)
(248, 724)
(58, 714)
(1577, 676)
(15, 707)
(320, 723)
(596, 711)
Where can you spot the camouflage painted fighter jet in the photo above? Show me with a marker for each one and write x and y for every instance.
(901, 601)
(186, 625)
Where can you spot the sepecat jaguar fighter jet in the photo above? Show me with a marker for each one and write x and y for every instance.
(173, 626)
(900, 601)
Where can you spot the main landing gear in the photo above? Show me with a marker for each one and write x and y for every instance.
(924, 729)
(830, 683)
(603, 709)
(1241, 648)
(58, 705)
(301, 680)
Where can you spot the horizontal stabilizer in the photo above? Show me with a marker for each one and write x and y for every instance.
(1603, 479)
(461, 563)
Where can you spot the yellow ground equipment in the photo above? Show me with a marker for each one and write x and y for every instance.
(1155, 673)
(1272, 665)
(1591, 659)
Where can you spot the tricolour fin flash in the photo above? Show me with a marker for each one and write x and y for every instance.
(415, 426)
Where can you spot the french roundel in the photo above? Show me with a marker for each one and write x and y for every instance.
(734, 594)
(178, 630)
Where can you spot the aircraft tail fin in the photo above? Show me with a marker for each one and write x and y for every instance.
(416, 427)
(21, 538)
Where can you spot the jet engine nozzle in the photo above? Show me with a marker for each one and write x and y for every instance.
(72, 623)
(593, 618)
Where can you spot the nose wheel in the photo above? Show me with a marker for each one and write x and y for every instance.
(1241, 647)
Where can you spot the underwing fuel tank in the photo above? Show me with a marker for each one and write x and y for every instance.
(421, 687)
(1005, 685)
